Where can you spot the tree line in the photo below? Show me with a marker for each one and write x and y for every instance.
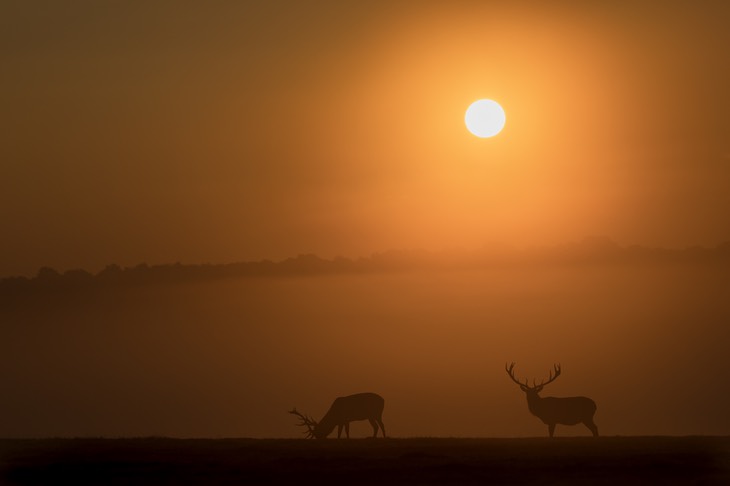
(590, 251)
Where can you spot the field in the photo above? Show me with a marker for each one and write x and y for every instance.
(156, 461)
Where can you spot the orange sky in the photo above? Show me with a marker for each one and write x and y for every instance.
(186, 131)
(176, 131)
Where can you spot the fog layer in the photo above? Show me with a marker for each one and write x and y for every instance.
(230, 357)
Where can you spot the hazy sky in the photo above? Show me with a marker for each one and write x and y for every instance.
(211, 131)
(220, 131)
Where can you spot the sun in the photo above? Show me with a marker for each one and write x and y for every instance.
(484, 118)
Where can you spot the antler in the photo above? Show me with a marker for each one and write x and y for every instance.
(510, 372)
(509, 369)
(556, 368)
(306, 421)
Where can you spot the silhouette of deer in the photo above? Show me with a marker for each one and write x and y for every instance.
(361, 406)
(552, 410)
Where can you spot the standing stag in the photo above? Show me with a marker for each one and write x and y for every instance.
(362, 406)
(552, 410)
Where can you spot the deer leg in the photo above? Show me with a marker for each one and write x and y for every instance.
(382, 427)
(551, 429)
(375, 427)
(592, 426)
(339, 431)
(347, 429)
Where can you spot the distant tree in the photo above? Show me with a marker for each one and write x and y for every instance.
(111, 274)
(47, 275)
(77, 277)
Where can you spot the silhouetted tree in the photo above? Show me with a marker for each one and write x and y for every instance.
(48, 275)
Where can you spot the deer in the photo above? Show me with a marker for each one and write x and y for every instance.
(361, 406)
(553, 410)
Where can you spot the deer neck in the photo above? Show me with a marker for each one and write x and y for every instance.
(534, 403)
(326, 425)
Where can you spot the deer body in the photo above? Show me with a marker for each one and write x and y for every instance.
(361, 406)
(554, 410)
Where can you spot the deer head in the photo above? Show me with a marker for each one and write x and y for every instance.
(305, 421)
(533, 390)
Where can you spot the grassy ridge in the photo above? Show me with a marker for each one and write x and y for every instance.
(606, 460)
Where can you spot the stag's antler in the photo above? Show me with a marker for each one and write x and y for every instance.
(305, 421)
(556, 368)
(510, 372)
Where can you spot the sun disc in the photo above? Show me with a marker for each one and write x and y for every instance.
(485, 118)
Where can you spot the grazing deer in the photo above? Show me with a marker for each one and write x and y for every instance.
(552, 410)
(362, 406)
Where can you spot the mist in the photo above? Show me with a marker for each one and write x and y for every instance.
(229, 357)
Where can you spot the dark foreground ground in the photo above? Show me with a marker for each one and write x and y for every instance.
(160, 461)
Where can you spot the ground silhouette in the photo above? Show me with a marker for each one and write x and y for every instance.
(559, 461)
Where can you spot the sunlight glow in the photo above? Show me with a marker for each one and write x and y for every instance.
(485, 118)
